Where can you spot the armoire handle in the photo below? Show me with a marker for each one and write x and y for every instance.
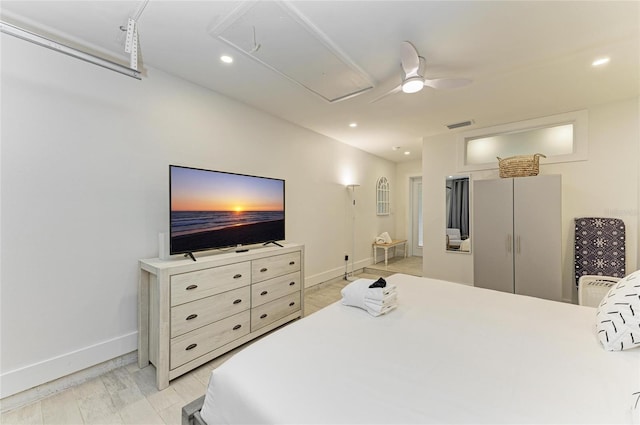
(509, 243)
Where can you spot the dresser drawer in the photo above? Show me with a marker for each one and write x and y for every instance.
(278, 265)
(189, 316)
(191, 286)
(275, 310)
(269, 290)
(196, 343)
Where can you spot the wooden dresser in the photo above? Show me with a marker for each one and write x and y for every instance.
(193, 311)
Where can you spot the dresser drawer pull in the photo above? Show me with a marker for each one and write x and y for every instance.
(262, 270)
(238, 301)
(192, 316)
(292, 283)
(263, 316)
(190, 287)
(264, 293)
(236, 327)
(292, 303)
(291, 263)
(238, 276)
(191, 347)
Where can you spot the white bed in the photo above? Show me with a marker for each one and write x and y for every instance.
(449, 353)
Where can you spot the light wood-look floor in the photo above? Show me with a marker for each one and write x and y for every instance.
(409, 265)
(128, 395)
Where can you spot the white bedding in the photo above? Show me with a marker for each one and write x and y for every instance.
(448, 354)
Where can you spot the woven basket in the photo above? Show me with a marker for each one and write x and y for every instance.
(520, 166)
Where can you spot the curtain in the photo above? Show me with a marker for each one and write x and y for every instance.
(458, 211)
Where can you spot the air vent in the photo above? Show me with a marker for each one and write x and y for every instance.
(460, 124)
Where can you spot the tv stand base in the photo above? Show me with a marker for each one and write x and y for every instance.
(272, 242)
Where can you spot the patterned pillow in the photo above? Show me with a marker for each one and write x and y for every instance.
(618, 316)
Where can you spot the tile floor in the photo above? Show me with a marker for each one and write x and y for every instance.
(128, 395)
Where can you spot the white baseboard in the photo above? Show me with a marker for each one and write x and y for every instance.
(34, 375)
(319, 278)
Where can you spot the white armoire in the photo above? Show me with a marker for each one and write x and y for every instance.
(517, 235)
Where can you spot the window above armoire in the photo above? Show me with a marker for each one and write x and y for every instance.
(561, 138)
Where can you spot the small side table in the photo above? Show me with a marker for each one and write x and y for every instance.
(393, 244)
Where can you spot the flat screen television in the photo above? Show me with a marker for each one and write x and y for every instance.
(216, 209)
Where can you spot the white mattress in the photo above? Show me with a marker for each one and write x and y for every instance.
(448, 354)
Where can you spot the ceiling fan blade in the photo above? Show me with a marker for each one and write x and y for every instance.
(389, 93)
(409, 59)
(447, 83)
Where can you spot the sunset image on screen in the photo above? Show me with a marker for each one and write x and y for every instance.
(224, 209)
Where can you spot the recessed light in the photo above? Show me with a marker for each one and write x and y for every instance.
(226, 59)
(353, 125)
(600, 61)
(396, 148)
(407, 153)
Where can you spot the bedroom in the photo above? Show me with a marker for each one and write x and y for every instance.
(84, 190)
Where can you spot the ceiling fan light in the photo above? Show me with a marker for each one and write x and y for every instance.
(413, 84)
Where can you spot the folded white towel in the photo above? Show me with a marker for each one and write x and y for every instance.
(376, 310)
(386, 300)
(376, 301)
(380, 293)
(359, 289)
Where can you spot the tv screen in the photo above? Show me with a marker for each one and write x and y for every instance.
(215, 209)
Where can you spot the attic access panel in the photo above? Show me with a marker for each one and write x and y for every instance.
(280, 38)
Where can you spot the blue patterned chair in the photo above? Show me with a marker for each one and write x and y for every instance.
(599, 247)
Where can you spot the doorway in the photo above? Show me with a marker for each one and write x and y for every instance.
(415, 231)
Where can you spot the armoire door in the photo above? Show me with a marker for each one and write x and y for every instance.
(492, 236)
(537, 212)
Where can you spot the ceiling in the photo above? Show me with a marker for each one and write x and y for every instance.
(527, 59)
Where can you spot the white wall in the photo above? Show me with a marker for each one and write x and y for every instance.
(84, 181)
(438, 162)
(607, 184)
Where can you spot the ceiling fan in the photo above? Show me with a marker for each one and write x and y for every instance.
(413, 79)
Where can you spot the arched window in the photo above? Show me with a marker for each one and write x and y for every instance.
(383, 196)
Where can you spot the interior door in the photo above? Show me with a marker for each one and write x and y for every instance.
(538, 236)
(416, 217)
(493, 234)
